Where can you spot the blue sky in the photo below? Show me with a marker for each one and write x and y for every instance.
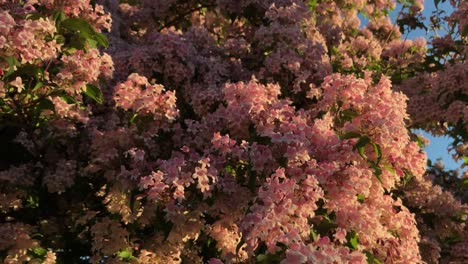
(438, 147)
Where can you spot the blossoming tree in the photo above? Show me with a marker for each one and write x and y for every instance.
(216, 131)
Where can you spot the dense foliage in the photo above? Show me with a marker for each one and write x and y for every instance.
(217, 131)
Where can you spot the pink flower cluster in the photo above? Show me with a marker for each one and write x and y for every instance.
(139, 96)
(32, 42)
(443, 218)
(28, 39)
(283, 211)
(286, 143)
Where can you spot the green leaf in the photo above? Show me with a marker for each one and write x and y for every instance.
(33, 16)
(37, 235)
(44, 104)
(313, 235)
(40, 251)
(321, 114)
(378, 151)
(229, 169)
(262, 258)
(327, 225)
(390, 168)
(361, 144)
(377, 170)
(465, 160)
(78, 25)
(68, 99)
(101, 39)
(360, 198)
(420, 142)
(464, 183)
(92, 43)
(408, 176)
(350, 134)
(353, 241)
(85, 31)
(209, 241)
(269, 258)
(133, 118)
(37, 86)
(59, 16)
(429, 163)
(29, 70)
(348, 115)
(12, 64)
(32, 201)
(94, 92)
(312, 4)
(371, 259)
(12, 61)
(453, 238)
(125, 254)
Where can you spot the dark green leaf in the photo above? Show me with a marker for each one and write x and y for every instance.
(33, 16)
(348, 115)
(313, 235)
(85, 31)
(408, 176)
(465, 31)
(453, 238)
(45, 104)
(350, 134)
(371, 259)
(429, 163)
(101, 39)
(320, 114)
(12, 63)
(420, 142)
(262, 258)
(37, 86)
(269, 258)
(68, 99)
(378, 152)
(59, 16)
(377, 170)
(39, 251)
(78, 25)
(464, 183)
(94, 92)
(361, 144)
(32, 201)
(252, 181)
(353, 241)
(326, 226)
(29, 70)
